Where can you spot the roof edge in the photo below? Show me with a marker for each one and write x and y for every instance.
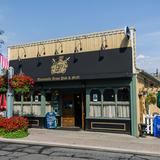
(109, 32)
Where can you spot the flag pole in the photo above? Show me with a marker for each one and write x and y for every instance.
(10, 94)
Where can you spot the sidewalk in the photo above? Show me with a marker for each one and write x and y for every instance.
(91, 140)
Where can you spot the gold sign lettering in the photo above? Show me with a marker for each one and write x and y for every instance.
(61, 78)
(59, 66)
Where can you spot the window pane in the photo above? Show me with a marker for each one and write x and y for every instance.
(109, 110)
(17, 97)
(95, 110)
(108, 95)
(48, 96)
(123, 94)
(123, 110)
(37, 96)
(95, 95)
(27, 97)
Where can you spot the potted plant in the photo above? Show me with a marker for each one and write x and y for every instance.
(3, 84)
(21, 83)
(150, 99)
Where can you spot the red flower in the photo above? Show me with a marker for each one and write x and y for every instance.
(13, 124)
(21, 83)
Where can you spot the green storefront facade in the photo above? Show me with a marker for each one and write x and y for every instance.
(91, 90)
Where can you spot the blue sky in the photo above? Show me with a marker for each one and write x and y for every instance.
(35, 20)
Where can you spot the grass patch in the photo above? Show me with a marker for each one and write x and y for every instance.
(15, 134)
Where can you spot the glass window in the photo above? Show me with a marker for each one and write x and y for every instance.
(17, 97)
(27, 97)
(37, 96)
(123, 94)
(95, 95)
(108, 95)
(48, 96)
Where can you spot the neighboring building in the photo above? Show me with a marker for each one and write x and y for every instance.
(90, 80)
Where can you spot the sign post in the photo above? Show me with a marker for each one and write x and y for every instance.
(10, 94)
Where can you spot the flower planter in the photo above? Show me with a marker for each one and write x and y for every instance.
(21, 83)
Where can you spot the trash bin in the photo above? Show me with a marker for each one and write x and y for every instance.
(50, 120)
(142, 129)
(156, 126)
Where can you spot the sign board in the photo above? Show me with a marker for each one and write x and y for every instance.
(156, 126)
(158, 99)
(50, 120)
(116, 63)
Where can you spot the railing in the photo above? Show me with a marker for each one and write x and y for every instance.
(148, 120)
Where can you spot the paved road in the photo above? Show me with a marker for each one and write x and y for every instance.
(13, 151)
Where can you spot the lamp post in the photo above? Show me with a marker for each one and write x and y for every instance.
(10, 94)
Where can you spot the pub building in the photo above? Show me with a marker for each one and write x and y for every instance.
(90, 81)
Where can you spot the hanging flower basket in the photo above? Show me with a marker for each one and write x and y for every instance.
(21, 83)
(151, 99)
(3, 84)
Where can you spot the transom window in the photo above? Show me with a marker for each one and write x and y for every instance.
(95, 95)
(123, 94)
(108, 95)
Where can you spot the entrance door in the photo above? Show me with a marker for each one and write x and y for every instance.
(68, 112)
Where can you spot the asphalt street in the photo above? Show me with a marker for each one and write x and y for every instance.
(13, 151)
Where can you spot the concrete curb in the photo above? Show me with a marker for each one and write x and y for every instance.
(72, 146)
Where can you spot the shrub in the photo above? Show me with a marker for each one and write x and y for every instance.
(151, 99)
(14, 127)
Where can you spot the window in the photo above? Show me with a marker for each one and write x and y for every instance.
(123, 94)
(108, 95)
(110, 106)
(123, 98)
(17, 97)
(95, 95)
(37, 96)
(48, 96)
(27, 97)
(95, 103)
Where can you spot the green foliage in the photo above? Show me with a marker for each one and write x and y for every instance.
(2, 132)
(17, 134)
(158, 99)
(151, 99)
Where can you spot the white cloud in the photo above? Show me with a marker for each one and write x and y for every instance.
(140, 56)
(149, 44)
(148, 63)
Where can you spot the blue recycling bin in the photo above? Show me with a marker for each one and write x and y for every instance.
(156, 126)
(50, 120)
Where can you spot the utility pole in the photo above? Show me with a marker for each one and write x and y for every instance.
(9, 75)
(10, 94)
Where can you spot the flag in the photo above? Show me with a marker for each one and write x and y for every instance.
(4, 62)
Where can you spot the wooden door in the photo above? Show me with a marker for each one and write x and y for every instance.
(68, 113)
